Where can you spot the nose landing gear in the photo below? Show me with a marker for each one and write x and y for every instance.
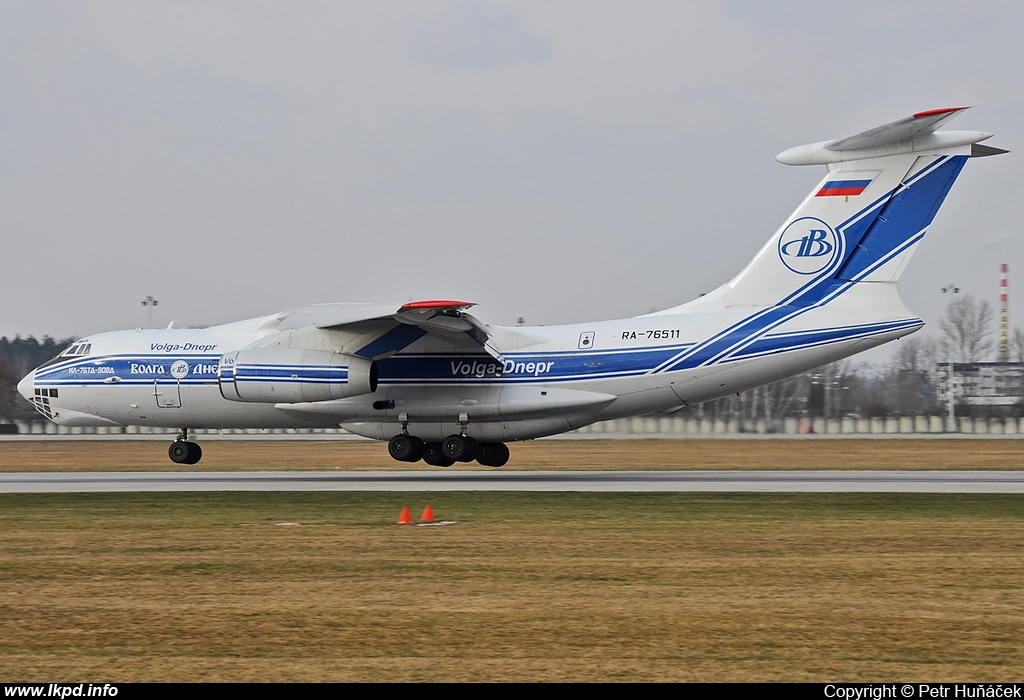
(182, 451)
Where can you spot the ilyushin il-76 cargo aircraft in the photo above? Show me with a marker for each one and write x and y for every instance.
(440, 385)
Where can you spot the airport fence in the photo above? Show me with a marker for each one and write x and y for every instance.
(653, 426)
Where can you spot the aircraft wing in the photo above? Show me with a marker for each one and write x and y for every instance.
(380, 330)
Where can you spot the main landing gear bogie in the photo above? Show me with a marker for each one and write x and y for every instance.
(459, 448)
(406, 448)
(492, 454)
(435, 456)
(454, 448)
(182, 451)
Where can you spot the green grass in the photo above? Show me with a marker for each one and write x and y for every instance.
(553, 586)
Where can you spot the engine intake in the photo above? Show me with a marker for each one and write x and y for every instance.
(286, 375)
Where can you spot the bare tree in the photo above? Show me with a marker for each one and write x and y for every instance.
(9, 398)
(1017, 355)
(915, 354)
(1017, 345)
(967, 329)
(911, 379)
(777, 398)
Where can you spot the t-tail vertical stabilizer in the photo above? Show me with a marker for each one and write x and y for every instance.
(862, 222)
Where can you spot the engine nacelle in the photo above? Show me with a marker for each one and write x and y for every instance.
(286, 375)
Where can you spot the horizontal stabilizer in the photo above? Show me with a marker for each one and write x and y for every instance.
(914, 134)
(979, 150)
(912, 127)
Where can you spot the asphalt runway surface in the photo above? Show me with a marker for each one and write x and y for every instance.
(806, 481)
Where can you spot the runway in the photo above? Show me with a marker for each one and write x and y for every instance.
(808, 481)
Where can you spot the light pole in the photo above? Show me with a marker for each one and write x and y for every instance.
(830, 386)
(149, 302)
(951, 418)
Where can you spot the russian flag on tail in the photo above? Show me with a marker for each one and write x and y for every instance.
(843, 188)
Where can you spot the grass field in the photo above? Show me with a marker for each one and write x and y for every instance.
(527, 586)
(672, 587)
(227, 455)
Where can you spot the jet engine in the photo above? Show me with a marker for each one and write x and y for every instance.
(287, 375)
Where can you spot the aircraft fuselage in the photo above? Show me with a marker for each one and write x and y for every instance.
(440, 385)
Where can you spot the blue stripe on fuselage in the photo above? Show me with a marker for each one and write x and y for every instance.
(424, 368)
(129, 369)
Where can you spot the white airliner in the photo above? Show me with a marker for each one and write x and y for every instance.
(442, 386)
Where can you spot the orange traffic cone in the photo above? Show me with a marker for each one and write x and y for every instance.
(428, 515)
(406, 517)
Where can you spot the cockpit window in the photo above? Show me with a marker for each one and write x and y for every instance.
(77, 350)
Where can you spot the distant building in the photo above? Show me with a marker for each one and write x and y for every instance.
(981, 383)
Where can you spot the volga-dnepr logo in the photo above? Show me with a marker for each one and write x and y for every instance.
(808, 246)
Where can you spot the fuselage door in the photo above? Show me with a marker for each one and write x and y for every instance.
(167, 394)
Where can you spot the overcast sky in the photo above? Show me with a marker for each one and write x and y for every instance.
(559, 161)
